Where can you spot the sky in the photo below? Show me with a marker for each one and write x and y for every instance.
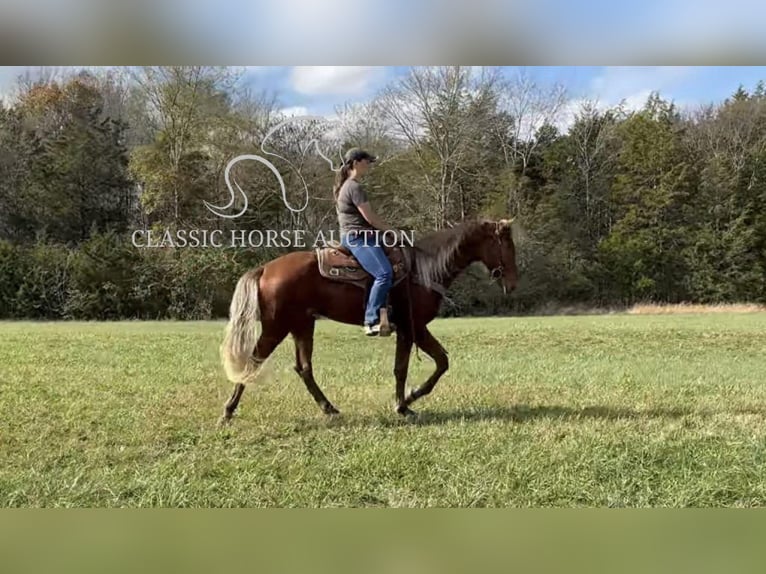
(320, 89)
(317, 90)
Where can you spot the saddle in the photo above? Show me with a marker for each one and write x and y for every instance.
(337, 264)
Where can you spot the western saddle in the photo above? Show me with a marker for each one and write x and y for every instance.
(337, 264)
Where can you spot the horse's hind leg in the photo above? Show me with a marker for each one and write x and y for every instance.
(266, 344)
(304, 347)
(231, 404)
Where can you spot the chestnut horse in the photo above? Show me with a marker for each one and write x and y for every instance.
(287, 295)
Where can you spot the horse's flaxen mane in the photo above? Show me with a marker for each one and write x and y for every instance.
(435, 252)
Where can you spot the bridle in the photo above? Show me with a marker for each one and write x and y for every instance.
(497, 272)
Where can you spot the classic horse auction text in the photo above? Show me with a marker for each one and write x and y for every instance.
(296, 238)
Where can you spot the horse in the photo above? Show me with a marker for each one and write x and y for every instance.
(288, 294)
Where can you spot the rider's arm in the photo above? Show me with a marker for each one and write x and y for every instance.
(372, 218)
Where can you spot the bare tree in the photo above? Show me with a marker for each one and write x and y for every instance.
(365, 125)
(38, 76)
(594, 141)
(180, 100)
(527, 107)
(441, 113)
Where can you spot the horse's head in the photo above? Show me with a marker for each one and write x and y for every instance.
(498, 253)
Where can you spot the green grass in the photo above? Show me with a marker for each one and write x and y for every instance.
(565, 411)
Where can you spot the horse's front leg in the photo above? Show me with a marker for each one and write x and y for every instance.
(430, 346)
(401, 366)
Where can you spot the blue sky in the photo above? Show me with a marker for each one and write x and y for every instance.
(318, 90)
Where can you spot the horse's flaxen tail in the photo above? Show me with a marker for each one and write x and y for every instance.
(241, 332)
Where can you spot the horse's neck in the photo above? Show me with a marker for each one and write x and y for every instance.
(466, 253)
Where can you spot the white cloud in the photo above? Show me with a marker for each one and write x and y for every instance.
(630, 86)
(336, 80)
(634, 84)
(294, 111)
(636, 101)
(568, 114)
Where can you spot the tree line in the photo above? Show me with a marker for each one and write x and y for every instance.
(612, 205)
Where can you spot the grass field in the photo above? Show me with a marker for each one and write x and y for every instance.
(620, 410)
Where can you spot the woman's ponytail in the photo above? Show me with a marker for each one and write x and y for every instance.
(341, 177)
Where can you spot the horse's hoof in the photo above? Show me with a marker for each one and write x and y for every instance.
(406, 412)
(330, 410)
(225, 420)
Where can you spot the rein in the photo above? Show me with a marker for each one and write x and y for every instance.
(412, 317)
(497, 272)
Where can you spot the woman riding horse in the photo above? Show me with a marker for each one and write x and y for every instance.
(359, 224)
(287, 295)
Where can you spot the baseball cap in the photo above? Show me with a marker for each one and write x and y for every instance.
(358, 154)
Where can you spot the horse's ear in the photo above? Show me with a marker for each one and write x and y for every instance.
(504, 225)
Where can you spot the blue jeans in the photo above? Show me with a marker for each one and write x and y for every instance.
(373, 259)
